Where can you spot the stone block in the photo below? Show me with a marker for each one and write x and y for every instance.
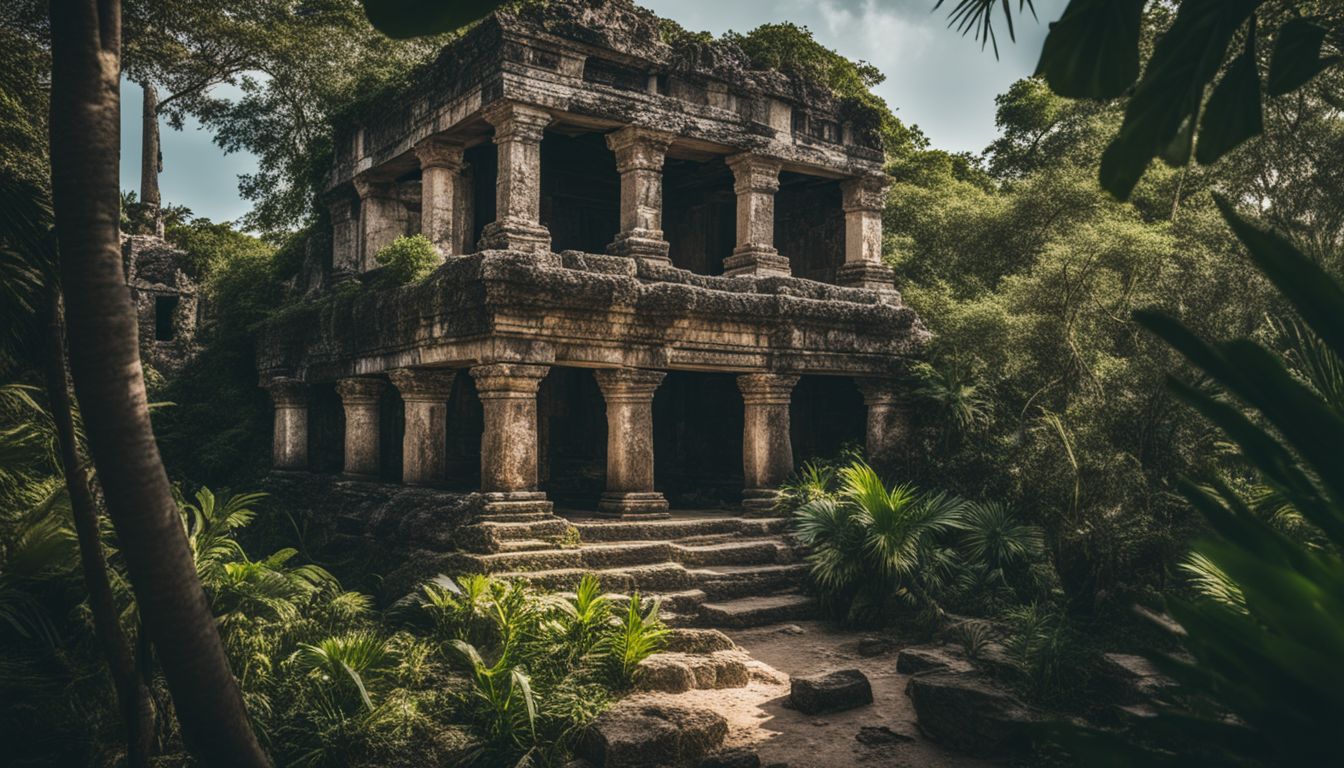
(970, 713)
(830, 692)
(652, 732)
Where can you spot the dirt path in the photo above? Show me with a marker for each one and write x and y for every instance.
(758, 718)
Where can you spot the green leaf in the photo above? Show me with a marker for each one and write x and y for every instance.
(1316, 295)
(1093, 50)
(1184, 61)
(417, 18)
(1297, 56)
(1233, 114)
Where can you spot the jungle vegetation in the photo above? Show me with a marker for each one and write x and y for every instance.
(1133, 398)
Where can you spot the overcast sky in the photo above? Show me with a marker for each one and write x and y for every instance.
(936, 79)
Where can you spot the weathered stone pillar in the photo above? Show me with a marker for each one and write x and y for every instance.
(424, 446)
(629, 396)
(360, 398)
(767, 452)
(440, 193)
(289, 448)
(381, 218)
(889, 423)
(640, 153)
(518, 132)
(345, 235)
(756, 180)
(508, 393)
(863, 199)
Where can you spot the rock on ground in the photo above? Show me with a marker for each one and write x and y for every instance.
(681, 672)
(651, 731)
(930, 658)
(969, 713)
(830, 692)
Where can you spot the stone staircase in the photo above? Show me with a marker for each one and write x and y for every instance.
(709, 569)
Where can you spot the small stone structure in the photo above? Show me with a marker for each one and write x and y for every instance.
(654, 256)
(166, 301)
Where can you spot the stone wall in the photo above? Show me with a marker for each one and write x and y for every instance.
(166, 300)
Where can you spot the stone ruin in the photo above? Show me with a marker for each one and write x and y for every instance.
(661, 283)
(166, 300)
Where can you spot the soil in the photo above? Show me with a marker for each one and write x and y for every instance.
(882, 734)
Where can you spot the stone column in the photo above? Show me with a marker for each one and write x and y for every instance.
(518, 132)
(629, 396)
(889, 424)
(756, 180)
(360, 398)
(440, 194)
(863, 200)
(640, 153)
(345, 235)
(381, 218)
(767, 452)
(424, 446)
(508, 393)
(289, 448)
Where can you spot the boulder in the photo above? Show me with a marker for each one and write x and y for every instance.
(830, 691)
(875, 646)
(929, 658)
(681, 672)
(646, 731)
(968, 712)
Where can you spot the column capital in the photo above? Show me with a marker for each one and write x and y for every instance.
(287, 391)
(440, 152)
(502, 380)
(639, 149)
(864, 193)
(367, 186)
(766, 388)
(516, 121)
(754, 173)
(882, 392)
(628, 384)
(423, 384)
(360, 390)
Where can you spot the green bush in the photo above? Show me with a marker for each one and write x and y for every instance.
(408, 259)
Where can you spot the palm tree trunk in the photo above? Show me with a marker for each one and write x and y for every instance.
(110, 386)
(151, 157)
(136, 710)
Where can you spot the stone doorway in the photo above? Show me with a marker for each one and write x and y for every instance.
(697, 440)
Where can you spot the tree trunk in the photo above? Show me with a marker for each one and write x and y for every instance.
(110, 386)
(136, 710)
(151, 157)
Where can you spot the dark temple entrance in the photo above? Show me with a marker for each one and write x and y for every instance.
(697, 440)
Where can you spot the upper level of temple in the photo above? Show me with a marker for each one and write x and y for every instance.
(581, 125)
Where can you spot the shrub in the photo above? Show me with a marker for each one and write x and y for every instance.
(408, 259)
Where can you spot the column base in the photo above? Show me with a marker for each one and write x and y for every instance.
(757, 262)
(642, 244)
(877, 277)
(760, 501)
(515, 236)
(642, 505)
(517, 503)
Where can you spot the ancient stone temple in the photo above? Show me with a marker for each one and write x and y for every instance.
(661, 287)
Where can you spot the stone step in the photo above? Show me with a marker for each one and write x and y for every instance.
(657, 578)
(730, 581)
(675, 528)
(608, 554)
(525, 545)
(489, 535)
(757, 611)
